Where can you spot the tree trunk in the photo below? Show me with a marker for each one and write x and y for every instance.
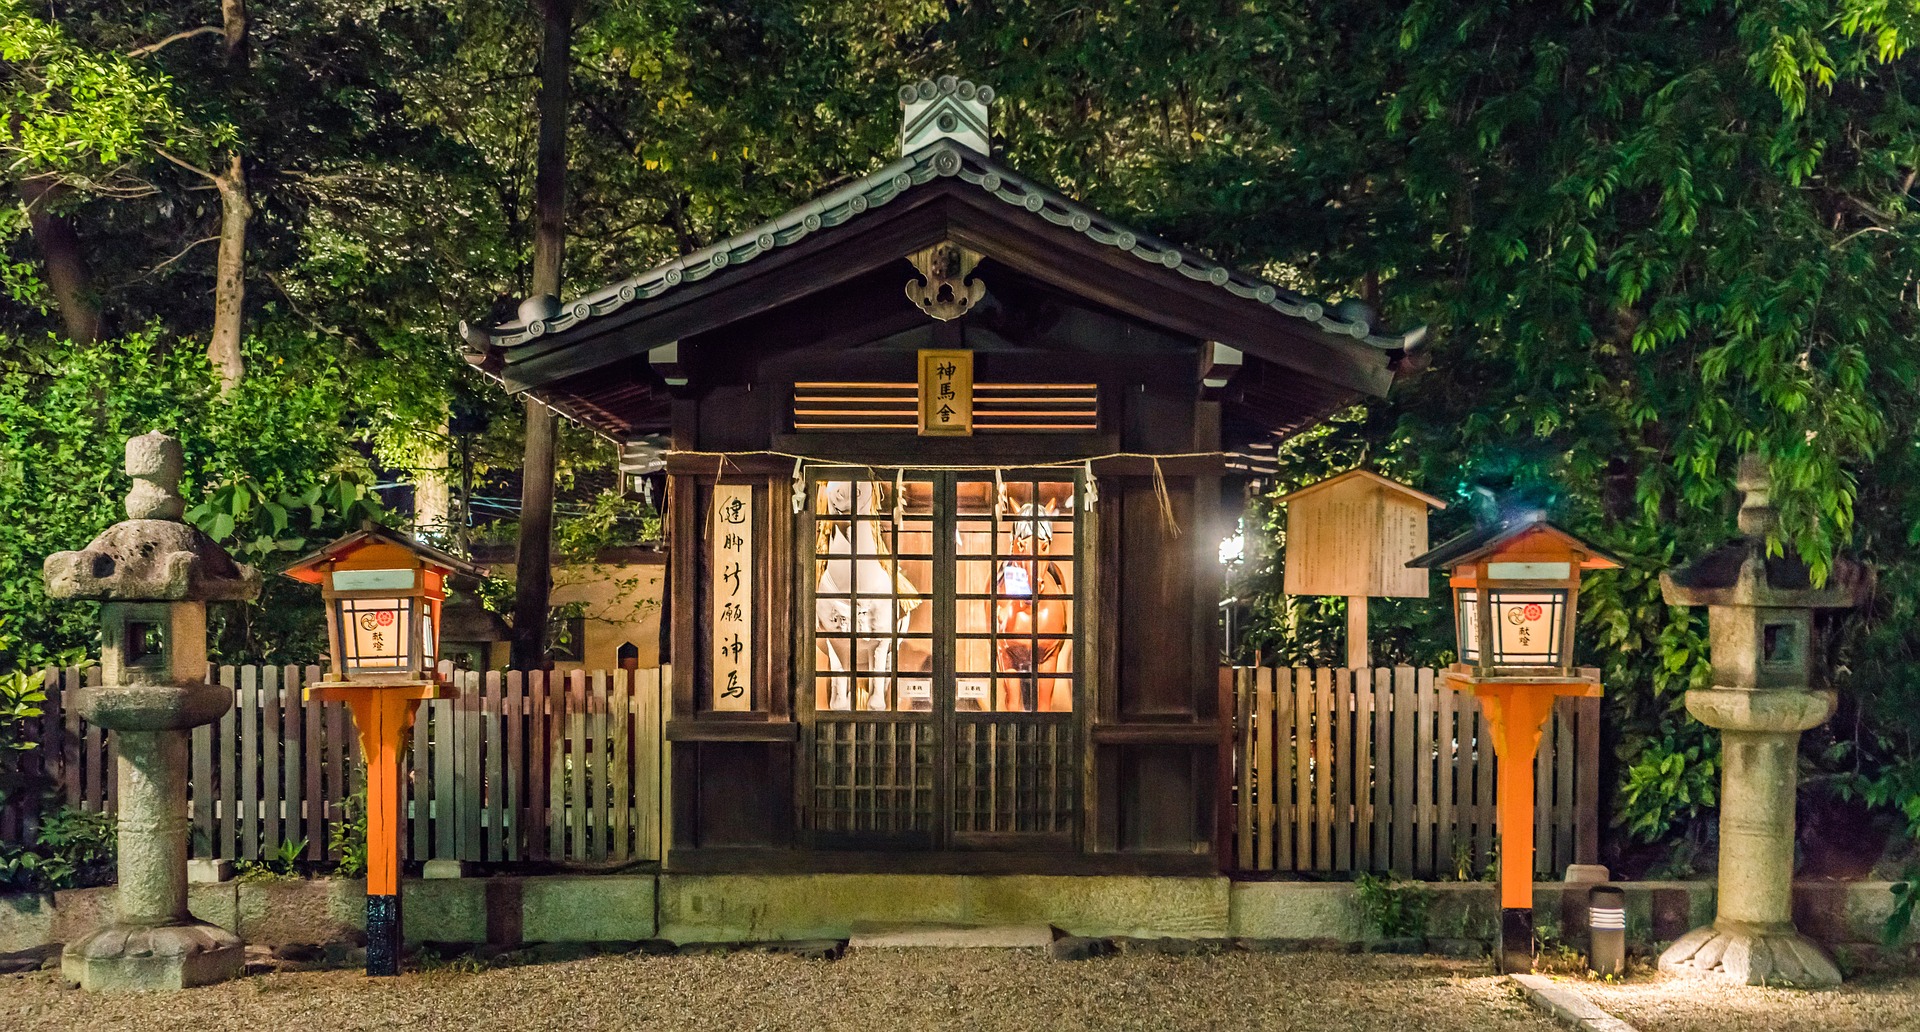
(68, 275)
(230, 283)
(533, 565)
(233, 16)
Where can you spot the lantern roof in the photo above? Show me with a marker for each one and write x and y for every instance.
(151, 556)
(1524, 531)
(1371, 477)
(307, 570)
(1743, 573)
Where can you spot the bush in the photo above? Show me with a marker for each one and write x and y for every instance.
(75, 850)
(80, 846)
(1393, 907)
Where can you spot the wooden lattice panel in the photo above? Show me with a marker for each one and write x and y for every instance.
(873, 776)
(1014, 775)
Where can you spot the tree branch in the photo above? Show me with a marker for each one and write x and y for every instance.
(295, 305)
(182, 254)
(197, 170)
(1868, 229)
(204, 30)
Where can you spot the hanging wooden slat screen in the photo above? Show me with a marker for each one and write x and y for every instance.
(997, 407)
(275, 770)
(1389, 770)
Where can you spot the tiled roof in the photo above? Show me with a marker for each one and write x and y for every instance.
(542, 318)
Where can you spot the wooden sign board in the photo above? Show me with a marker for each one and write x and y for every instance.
(946, 393)
(732, 591)
(1353, 534)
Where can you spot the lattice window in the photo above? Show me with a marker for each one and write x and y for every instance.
(945, 655)
(873, 570)
(1014, 596)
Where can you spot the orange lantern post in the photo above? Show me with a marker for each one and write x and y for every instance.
(1516, 590)
(383, 594)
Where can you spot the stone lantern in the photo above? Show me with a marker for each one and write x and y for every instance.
(153, 576)
(1760, 617)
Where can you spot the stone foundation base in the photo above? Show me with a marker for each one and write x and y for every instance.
(124, 957)
(1751, 955)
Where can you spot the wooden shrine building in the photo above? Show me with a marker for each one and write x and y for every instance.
(946, 456)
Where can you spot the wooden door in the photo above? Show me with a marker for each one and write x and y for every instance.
(940, 700)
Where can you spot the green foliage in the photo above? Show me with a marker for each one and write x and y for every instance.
(23, 787)
(271, 470)
(1393, 907)
(1646, 240)
(1667, 786)
(73, 850)
(278, 865)
(71, 108)
(610, 519)
(348, 840)
(79, 847)
(1906, 892)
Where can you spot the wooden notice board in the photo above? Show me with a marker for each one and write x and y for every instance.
(946, 393)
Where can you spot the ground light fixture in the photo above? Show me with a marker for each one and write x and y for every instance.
(1607, 930)
(1516, 591)
(383, 592)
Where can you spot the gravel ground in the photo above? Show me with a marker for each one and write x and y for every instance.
(869, 989)
(1871, 1003)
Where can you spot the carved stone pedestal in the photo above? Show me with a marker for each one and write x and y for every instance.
(153, 942)
(1753, 940)
(1752, 955)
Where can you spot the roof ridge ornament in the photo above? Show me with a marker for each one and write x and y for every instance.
(945, 293)
(947, 108)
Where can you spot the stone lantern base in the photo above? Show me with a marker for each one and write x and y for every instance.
(1751, 955)
(175, 956)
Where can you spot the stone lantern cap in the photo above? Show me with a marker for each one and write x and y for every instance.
(1740, 573)
(151, 556)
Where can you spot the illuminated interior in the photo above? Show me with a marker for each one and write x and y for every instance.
(1006, 606)
(1528, 626)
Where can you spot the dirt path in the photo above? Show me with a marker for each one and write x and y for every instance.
(866, 991)
(1870, 1003)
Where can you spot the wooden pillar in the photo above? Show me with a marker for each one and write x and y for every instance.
(1516, 713)
(1357, 658)
(382, 714)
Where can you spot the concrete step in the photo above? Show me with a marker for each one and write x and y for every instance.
(877, 934)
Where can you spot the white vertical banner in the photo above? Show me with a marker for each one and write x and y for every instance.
(732, 590)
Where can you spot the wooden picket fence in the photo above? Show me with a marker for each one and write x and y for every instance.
(518, 767)
(1388, 770)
